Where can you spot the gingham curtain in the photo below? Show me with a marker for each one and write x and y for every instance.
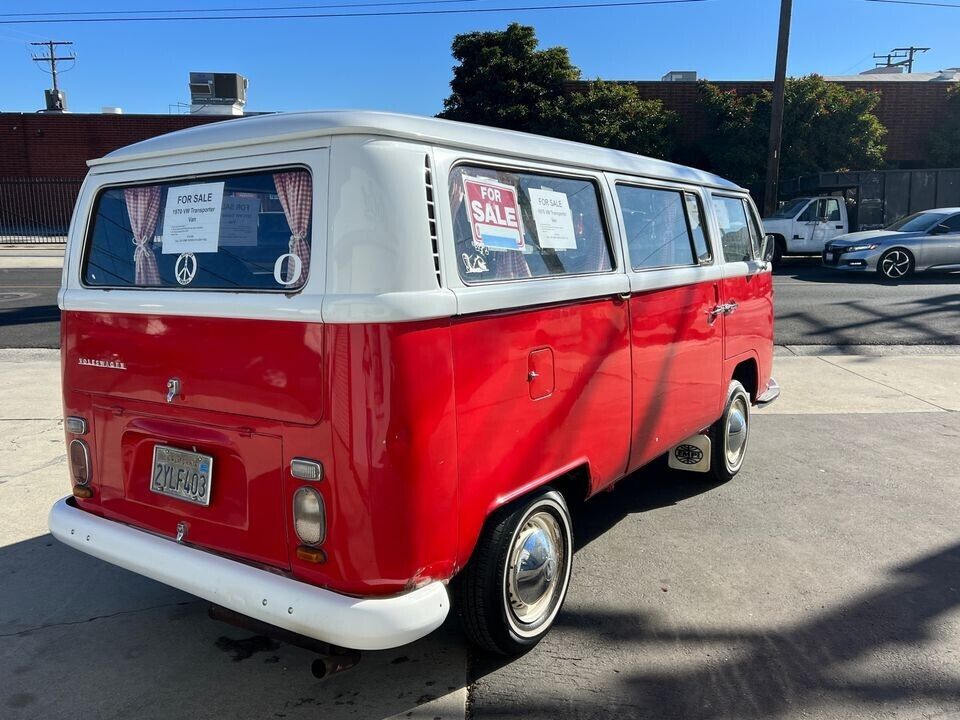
(143, 207)
(295, 190)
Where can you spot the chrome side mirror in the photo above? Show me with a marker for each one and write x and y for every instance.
(767, 247)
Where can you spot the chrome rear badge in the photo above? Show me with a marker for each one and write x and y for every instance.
(112, 364)
(182, 529)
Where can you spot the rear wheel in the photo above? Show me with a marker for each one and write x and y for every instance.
(729, 434)
(516, 581)
(895, 264)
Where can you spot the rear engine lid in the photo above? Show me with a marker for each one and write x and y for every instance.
(256, 368)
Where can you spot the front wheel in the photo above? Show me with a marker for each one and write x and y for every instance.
(729, 434)
(895, 264)
(516, 581)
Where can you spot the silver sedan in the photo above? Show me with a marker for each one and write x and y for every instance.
(928, 240)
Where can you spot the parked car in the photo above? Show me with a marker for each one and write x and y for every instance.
(928, 240)
(327, 370)
(803, 226)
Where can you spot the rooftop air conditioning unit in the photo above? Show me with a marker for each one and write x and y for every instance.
(217, 93)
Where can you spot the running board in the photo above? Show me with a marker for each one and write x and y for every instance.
(692, 455)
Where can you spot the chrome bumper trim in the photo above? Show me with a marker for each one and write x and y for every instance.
(770, 394)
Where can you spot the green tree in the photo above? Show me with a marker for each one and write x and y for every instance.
(826, 127)
(614, 115)
(504, 80)
(945, 139)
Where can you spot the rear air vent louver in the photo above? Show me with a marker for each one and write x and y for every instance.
(432, 217)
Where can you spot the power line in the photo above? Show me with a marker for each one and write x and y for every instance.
(389, 13)
(121, 13)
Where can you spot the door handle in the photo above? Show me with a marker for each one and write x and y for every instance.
(724, 309)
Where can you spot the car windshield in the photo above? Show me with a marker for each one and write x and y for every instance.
(790, 208)
(917, 222)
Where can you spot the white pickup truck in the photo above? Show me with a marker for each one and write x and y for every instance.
(803, 226)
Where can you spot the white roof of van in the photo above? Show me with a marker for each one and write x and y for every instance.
(261, 129)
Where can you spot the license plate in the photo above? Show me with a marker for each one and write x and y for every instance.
(182, 474)
(831, 257)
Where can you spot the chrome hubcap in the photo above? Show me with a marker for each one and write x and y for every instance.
(735, 432)
(895, 264)
(536, 565)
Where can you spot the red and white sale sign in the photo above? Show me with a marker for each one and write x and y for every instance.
(494, 214)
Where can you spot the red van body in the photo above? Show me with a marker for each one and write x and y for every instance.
(429, 404)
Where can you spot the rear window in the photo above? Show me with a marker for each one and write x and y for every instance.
(516, 225)
(231, 232)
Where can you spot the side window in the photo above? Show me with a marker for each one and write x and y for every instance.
(953, 223)
(656, 223)
(513, 225)
(695, 217)
(833, 211)
(736, 235)
(810, 213)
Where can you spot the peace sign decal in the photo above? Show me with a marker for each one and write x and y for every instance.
(186, 268)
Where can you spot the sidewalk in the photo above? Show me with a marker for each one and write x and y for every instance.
(40, 256)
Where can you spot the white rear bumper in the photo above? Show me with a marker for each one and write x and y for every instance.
(357, 623)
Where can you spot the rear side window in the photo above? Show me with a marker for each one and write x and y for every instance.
(514, 225)
(736, 237)
(663, 227)
(236, 232)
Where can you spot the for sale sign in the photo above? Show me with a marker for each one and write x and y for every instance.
(494, 214)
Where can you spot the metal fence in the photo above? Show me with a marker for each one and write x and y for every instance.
(36, 210)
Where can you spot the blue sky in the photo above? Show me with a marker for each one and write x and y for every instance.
(404, 64)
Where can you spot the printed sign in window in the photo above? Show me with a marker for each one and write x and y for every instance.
(239, 221)
(191, 220)
(494, 214)
(554, 219)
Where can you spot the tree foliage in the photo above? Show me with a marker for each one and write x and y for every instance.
(614, 115)
(503, 79)
(826, 127)
(945, 139)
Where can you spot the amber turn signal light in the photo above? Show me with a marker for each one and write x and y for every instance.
(83, 492)
(311, 554)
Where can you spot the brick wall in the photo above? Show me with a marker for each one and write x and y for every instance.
(50, 145)
(909, 110)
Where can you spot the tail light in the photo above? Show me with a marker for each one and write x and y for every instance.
(80, 462)
(309, 516)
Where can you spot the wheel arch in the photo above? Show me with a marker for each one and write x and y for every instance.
(572, 481)
(747, 372)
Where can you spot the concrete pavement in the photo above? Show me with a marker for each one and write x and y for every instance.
(823, 582)
(31, 256)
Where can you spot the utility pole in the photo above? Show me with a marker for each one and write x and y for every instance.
(776, 112)
(903, 55)
(56, 100)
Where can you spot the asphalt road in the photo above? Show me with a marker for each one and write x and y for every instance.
(813, 305)
(819, 306)
(29, 317)
(823, 582)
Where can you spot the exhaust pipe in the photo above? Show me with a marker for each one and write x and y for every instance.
(333, 658)
(327, 665)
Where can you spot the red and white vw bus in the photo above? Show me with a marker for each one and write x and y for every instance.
(337, 371)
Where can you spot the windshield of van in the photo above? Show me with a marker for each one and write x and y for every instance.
(918, 222)
(230, 232)
(790, 208)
